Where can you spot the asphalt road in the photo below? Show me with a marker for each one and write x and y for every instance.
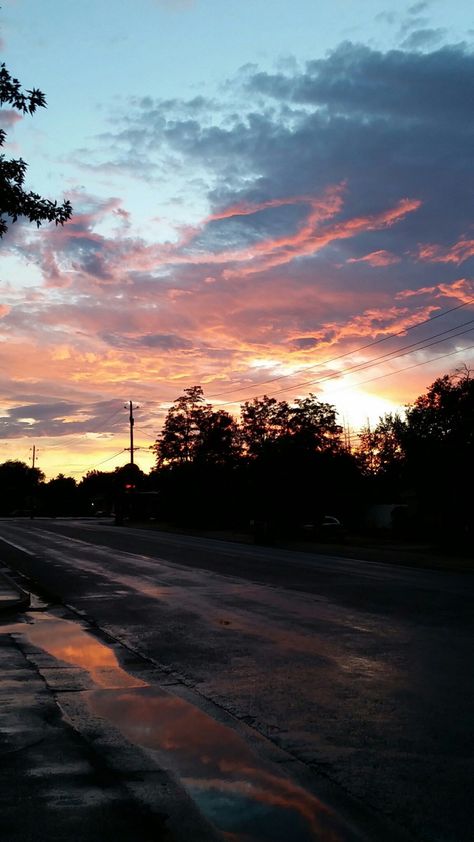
(360, 671)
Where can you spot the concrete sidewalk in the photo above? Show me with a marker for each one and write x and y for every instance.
(12, 596)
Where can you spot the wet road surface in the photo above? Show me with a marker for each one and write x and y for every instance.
(357, 670)
(246, 798)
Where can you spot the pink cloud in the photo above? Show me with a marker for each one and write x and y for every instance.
(115, 257)
(8, 118)
(462, 289)
(308, 239)
(457, 253)
(312, 238)
(376, 258)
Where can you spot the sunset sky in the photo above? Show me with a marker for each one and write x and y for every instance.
(264, 194)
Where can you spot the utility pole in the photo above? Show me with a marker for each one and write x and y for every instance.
(32, 498)
(132, 423)
(33, 456)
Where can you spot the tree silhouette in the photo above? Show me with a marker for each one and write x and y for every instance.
(428, 459)
(15, 201)
(59, 497)
(438, 440)
(314, 426)
(218, 438)
(263, 421)
(18, 485)
(380, 448)
(97, 491)
(284, 464)
(174, 445)
(186, 428)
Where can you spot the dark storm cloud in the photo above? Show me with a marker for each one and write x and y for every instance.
(388, 126)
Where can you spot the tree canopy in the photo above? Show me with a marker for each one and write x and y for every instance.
(194, 432)
(15, 201)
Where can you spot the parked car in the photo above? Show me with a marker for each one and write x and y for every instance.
(326, 528)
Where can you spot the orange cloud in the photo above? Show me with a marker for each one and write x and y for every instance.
(381, 322)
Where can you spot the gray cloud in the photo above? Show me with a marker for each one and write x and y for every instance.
(419, 7)
(421, 39)
(60, 418)
(356, 80)
(162, 341)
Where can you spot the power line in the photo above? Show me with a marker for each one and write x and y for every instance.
(144, 432)
(348, 353)
(92, 467)
(406, 368)
(105, 421)
(407, 349)
(395, 354)
(400, 371)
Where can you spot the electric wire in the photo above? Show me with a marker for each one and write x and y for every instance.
(145, 433)
(97, 464)
(400, 371)
(401, 332)
(105, 421)
(390, 355)
(406, 368)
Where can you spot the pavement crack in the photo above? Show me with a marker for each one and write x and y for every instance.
(24, 747)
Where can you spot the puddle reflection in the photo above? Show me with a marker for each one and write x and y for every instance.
(243, 797)
(67, 641)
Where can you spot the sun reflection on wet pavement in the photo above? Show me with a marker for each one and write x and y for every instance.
(247, 799)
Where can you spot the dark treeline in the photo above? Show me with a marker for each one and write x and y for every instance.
(282, 466)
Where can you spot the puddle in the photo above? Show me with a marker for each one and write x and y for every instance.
(69, 642)
(246, 799)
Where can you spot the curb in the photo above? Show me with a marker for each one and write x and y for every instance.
(18, 599)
